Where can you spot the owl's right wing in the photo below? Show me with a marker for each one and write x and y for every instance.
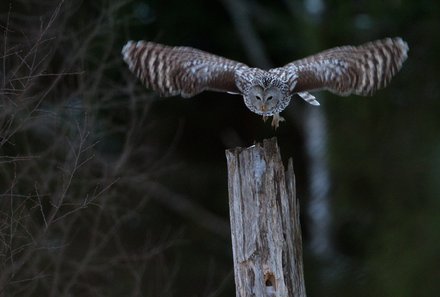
(347, 70)
(181, 71)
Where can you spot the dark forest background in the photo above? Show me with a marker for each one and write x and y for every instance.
(108, 190)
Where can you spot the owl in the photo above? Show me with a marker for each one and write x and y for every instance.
(344, 70)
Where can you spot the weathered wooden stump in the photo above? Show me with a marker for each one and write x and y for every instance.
(265, 227)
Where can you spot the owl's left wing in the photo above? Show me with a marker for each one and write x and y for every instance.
(181, 71)
(347, 70)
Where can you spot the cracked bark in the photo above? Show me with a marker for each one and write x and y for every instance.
(265, 227)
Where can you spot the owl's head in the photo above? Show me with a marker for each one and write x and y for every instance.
(267, 96)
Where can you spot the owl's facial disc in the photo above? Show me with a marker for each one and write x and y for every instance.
(263, 101)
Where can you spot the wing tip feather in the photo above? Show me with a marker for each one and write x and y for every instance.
(128, 48)
(126, 52)
(403, 47)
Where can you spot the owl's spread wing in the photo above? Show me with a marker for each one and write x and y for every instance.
(348, 70)
(181, 71)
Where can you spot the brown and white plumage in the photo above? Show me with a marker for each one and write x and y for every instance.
(345, 70)
(181, 71)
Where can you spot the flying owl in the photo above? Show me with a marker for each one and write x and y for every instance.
(345, 70)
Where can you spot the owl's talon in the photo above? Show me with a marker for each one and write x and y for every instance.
(276, 120)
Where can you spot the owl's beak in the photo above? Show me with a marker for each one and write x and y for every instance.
(264, 108)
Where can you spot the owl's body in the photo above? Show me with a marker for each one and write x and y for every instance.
(343, 70)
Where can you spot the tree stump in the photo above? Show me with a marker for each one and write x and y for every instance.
(265, 227)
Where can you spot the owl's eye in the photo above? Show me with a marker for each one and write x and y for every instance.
(269, 98)
(258, 97)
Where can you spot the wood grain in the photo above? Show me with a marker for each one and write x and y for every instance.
(265, 227)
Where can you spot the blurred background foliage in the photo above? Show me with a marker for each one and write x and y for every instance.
(108, 190)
